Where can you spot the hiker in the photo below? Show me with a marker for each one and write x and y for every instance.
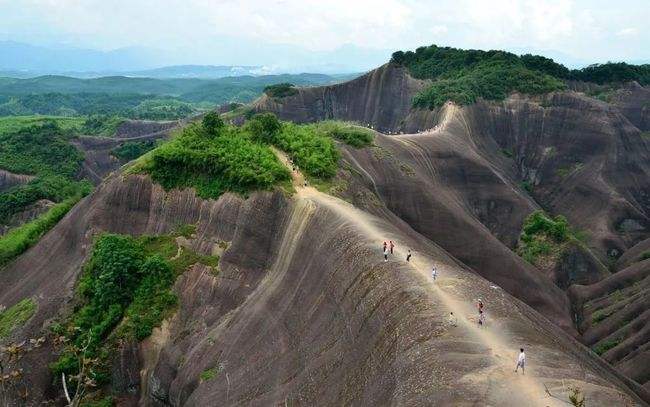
(479, 305)
(481, 319)
(385, 245)
(408, 256)
(392, 246)
(521, 361)
(385, 253)
(305, 183)
(452, 319)
(433, 272)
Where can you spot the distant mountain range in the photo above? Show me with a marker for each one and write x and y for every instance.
(20, 60)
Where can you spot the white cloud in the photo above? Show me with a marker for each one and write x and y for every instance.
(627, 32)
(569, 26)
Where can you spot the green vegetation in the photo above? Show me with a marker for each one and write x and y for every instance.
(349, 133)
(213, 162)
(132, 150)
(601, 314)
(604, 346)
(507, 152)
(280, 90)
(125, 291)
(101, 125)
(13, 124)
(214, 158)
(15, 316)
(42, 150)
(19, 239)
(644, 256)
(613, 72)
(543, 236)
(463, 76)
(208, 374)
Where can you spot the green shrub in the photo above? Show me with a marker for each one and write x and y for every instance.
(280, 90)
(645, 255)
(212, 123)
(214, 165)
(349, 133)
(132, 150)
(315, 154)
(15, 316)
(264, 127)
(603, 347)
(542, 235)
(101, 125)
(39, 150)
(208, 374)
(125, 291)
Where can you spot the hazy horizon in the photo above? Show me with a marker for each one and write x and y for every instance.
(306, 36)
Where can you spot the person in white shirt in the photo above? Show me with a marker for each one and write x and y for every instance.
(452, 319)
(521, 361)
(433, 273)
(385, 253)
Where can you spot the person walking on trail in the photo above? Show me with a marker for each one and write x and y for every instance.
(452, 319)
(521, 361)
(385, 245)
(385, 253)
(481, 319)
(434, 272)
(408, 256)
(392, 246)
(479, 305)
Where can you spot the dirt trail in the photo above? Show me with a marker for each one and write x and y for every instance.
(509, 388)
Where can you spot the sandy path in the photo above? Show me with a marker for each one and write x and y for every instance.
(509, 388)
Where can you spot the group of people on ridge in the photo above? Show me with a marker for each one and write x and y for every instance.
(389, 248)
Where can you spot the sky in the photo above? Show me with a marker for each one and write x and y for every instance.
(242, 31)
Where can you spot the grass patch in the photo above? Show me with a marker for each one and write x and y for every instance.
(603, 347)
(645, 135)
(527, 186)
(11, 124)
(346, 132)
(507, 152)
(15, 316)
(18, 240)
(125, 291)
(208, 374)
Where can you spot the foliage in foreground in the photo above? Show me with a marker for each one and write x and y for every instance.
(15, 316)
(123, 294)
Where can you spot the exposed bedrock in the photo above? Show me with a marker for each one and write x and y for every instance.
(303, 311)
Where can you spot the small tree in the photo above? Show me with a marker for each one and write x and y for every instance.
(212, 123)
(264, 127)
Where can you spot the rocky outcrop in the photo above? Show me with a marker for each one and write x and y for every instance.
(615, 315)
(303, 310)
(9, 179)
(138, 128)
(380, 98)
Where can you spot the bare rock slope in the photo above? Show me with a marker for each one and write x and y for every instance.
(305, 311)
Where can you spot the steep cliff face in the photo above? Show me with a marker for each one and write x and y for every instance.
(578, 157)
(381, 98)
(304, 310)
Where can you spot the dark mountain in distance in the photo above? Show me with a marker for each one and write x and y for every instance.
(197, 71)
(22, 57)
